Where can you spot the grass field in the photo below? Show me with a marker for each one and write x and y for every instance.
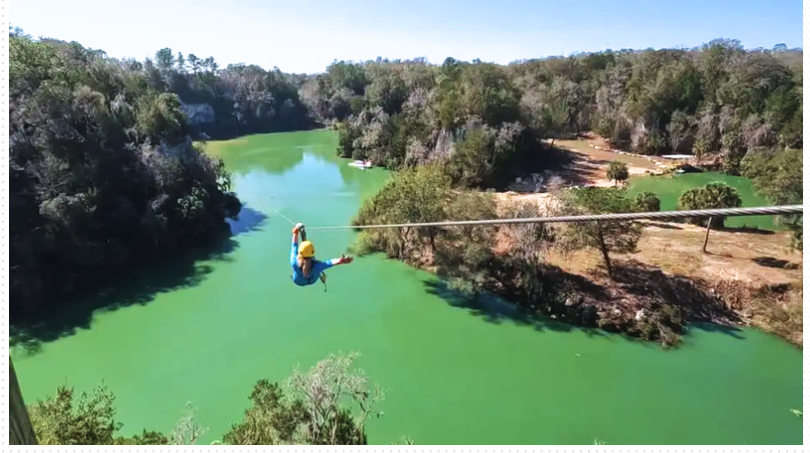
(669, 189)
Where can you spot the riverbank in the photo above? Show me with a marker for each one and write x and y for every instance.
(748, 277)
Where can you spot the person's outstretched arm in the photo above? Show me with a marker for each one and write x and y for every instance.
(341, 260)
(320, 266)
(294, 248)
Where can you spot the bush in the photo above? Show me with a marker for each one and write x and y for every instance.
(60, 420)
(328, 405)
(711, 196)
(647, 202)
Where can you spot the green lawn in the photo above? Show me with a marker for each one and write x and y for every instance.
(670, 187)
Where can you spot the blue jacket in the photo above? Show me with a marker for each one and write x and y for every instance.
(314, 272)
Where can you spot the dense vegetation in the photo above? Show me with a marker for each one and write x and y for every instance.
(736, 109)
(718, 98)
(105, 175)
(328, 405)
(510, 260)
(778, 175)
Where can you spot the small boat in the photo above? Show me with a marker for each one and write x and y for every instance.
(361, 164)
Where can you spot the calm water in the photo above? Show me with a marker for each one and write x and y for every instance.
(670, 188)
(206, 331)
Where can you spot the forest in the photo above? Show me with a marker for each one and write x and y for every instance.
(106, 175)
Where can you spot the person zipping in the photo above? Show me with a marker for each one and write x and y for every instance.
(306, 269)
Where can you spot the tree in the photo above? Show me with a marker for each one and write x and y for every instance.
(647, 202)
(60, 420)
(464, 257)
(526, 260)
(328, 405)
(605, 236)
(415, 195)
(617, 172)
(313, 410)
(779, 177)
(711, 196)
(104, 173)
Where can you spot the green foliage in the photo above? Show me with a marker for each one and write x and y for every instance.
(270, 420)
(472, 161)
(647, 202)
(103, 171)
(617, 171)
(711, 196)
(411, 196)
(717, 99)
(464, 255)
(328, 405)
(61, 420)
(662, 322)
(617, 237)
(651, 100)
(779, 177)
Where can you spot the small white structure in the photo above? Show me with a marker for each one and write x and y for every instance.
(678, 156)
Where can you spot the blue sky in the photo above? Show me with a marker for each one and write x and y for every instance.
(307, 35)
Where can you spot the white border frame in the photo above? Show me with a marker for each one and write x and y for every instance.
(4, 269)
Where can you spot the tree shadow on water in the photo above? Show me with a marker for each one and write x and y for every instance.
(138, 287)
(247, 221)
(493, 309)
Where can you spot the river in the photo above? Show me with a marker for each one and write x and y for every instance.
(206, 331)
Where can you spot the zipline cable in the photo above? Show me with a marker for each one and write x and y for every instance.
(728, 212)
(284, 217)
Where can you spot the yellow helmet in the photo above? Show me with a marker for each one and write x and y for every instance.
(306, 250)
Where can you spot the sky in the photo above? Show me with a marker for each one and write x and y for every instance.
(307, 35)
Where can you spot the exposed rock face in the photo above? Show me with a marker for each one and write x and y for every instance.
(198, 113)
(444, 144)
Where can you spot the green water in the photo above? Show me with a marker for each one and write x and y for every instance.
(205, 332)
(670, 188)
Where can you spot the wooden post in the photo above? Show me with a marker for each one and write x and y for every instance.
(19, 425)
(708, 228)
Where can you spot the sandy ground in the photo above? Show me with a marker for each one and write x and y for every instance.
(751, 258)
(590, 160)
(754, 258)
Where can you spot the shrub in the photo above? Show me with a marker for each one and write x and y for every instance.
(647, 202)
(711, 196)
